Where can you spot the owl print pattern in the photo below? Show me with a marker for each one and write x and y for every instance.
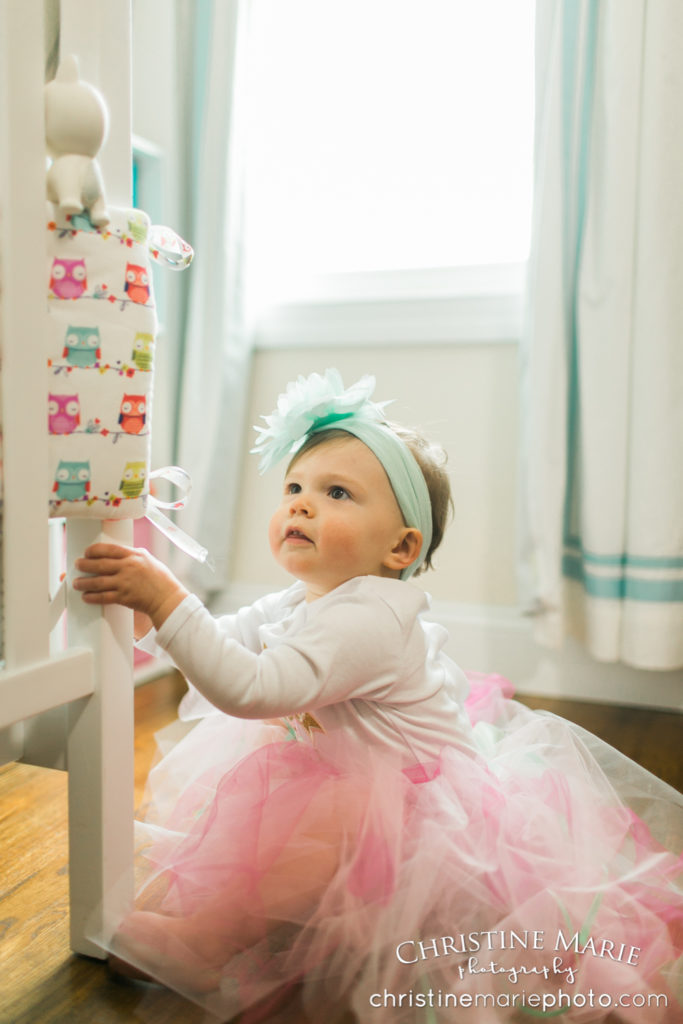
(82, 346)
(64, 414)
(72, 480)
(137, 283)
(100, 359)
(133, 414)
(68, 279)
(142, 354)
(133, 479)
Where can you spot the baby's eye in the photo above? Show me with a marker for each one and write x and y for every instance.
(338, 493)
(292, 488)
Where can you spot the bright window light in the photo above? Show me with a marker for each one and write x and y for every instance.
(386, 135)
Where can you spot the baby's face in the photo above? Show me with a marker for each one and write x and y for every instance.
(338, 517)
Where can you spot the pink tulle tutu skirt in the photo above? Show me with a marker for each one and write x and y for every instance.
(540, 877)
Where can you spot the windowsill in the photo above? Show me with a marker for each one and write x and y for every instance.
(440, 306)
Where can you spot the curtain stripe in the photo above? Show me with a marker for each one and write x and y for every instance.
(622, 586)
(624, 559)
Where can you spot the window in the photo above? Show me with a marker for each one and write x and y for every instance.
(389, 158)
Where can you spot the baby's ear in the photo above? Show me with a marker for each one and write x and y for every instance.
(406, 550)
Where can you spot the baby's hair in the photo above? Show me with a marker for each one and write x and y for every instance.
(430, 457)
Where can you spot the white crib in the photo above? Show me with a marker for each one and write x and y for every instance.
(62, 704)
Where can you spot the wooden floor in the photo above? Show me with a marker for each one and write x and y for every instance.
(41, 982)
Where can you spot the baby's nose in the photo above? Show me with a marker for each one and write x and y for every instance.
(300, 504)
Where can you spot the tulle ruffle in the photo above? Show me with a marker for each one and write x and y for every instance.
(541, 875)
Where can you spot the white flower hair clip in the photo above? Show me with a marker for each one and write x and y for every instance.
(310, 403)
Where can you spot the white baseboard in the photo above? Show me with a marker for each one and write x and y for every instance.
(498, 639)
(492, 638)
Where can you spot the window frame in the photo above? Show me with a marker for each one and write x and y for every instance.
(442, 305)
(435, 305)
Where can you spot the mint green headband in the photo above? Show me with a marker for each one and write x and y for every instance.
(316, 403)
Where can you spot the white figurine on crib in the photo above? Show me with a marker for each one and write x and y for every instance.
(75, 127)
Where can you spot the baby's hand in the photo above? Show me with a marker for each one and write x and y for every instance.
(131, 577)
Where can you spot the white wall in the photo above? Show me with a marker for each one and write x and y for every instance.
(466, 398)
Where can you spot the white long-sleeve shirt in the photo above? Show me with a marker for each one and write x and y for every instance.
(360, 663)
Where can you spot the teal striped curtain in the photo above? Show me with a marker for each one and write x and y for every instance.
(602, 356)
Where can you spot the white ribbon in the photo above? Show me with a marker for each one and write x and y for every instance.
(180, 479)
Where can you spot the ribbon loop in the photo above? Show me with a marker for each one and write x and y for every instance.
(182, 480)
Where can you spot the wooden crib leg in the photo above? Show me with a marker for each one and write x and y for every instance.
(100, 755)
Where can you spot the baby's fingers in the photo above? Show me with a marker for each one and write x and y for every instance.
(102, 550)
(100, 589)
(98, 566)
(93, 584)
(101, 597)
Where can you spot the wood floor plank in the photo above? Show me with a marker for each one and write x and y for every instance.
(652, 738)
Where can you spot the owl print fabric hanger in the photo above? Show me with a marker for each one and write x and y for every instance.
(100, 363)
(102, 331)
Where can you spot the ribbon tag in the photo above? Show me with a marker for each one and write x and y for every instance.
(180, 479)
(168, 248)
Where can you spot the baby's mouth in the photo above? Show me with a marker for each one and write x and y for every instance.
(296, 535)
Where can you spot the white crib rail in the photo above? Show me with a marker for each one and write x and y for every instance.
(93, 676)
(24, 315)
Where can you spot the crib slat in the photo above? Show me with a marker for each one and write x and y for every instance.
(100, 743)
(23, 310)
(44, 685)
(100, 754)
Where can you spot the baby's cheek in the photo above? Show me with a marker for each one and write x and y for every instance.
(274, 533)
(341, 539)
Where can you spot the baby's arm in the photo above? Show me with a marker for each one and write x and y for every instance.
(336, 656)
(131, 577)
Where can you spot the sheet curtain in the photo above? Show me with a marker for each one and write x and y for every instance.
(602, 357)
(215, 359)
